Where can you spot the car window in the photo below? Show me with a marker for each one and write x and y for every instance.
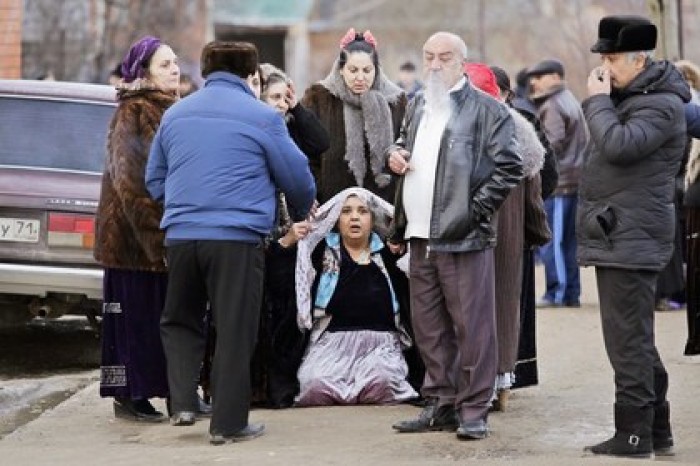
(54, 134)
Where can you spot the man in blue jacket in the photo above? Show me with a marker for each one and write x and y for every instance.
(216, 162)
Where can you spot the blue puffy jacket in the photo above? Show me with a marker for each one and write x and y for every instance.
(216, 161)
(692, 119)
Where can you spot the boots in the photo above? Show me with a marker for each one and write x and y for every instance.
(632, 437)
(662, 438)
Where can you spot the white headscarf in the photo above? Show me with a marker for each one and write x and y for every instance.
(325, 219)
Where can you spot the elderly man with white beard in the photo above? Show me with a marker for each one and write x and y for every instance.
(458, 159)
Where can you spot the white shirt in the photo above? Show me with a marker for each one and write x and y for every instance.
(419, 183)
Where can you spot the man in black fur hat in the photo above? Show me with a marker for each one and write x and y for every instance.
(626, 217)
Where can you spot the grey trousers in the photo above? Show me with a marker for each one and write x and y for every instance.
(627, 299)
(228, 274)
(453, 316)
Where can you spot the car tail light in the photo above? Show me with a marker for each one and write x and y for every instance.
(72, 230)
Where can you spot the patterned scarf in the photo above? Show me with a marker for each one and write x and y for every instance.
(367, 115)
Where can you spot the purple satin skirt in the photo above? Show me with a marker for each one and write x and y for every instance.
(133, 362)
(354, 367)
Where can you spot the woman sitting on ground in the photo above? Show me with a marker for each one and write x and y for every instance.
(355, 350)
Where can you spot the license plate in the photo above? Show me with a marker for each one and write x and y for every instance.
(23, 230)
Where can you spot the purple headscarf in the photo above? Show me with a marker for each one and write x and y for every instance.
(139, 53)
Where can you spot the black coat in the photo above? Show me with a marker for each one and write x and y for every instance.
(626, 212)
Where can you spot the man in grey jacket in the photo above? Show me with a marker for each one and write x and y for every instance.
(626, 217)
(463, 162)
(565, 127)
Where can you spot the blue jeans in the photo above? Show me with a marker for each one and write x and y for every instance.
(559, 255)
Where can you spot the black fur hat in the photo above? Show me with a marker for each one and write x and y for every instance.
(625, 34)
(239, 58)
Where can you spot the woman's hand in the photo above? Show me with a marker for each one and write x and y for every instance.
(291, 96)
(297, 232)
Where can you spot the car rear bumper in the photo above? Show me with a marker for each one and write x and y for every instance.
(37, 280)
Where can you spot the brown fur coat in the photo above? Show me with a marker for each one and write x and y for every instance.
(128, 234)
(331, 171)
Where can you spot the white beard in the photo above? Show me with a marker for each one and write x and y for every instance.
(437, 96)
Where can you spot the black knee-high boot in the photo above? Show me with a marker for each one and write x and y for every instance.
(633, 430)
(662, 438)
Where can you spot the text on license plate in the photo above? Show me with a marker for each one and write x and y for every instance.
(19, 229)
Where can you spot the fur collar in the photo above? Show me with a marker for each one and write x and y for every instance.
(531, 149)
(367, 117)
(143, 87)
(692, 169)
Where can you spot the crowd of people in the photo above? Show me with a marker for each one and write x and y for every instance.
(374, 242)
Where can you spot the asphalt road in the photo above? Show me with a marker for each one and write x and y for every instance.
(544, 425)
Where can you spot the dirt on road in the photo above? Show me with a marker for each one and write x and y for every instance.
(544, 425)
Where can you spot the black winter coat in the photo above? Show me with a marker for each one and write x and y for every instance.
(626, 214)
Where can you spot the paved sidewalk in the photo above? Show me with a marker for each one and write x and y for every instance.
(544, 425)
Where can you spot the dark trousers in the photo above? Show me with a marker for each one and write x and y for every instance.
(454, 322)
(627, 313)
(228, 274)
(526, 367)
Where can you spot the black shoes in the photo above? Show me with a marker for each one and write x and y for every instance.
(203, 409)
(136, 410)
(182, 418)
(623, 444)
(661, 436)
(633, 433)
(249, 432)
(546, 302)
(473, 430)
(432, 418)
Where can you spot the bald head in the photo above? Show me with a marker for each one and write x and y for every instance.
(443, 55)
(457, 43)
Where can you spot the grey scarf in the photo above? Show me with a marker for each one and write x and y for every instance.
(367, 114)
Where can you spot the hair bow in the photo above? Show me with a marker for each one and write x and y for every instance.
(369, 38)
(347, 38)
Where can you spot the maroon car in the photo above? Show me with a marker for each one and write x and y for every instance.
(52, 149)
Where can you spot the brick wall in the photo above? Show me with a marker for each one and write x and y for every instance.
(10, 39)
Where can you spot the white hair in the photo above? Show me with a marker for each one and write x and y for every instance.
(648, 55)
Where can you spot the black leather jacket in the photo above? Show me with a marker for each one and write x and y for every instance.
(478, 164)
